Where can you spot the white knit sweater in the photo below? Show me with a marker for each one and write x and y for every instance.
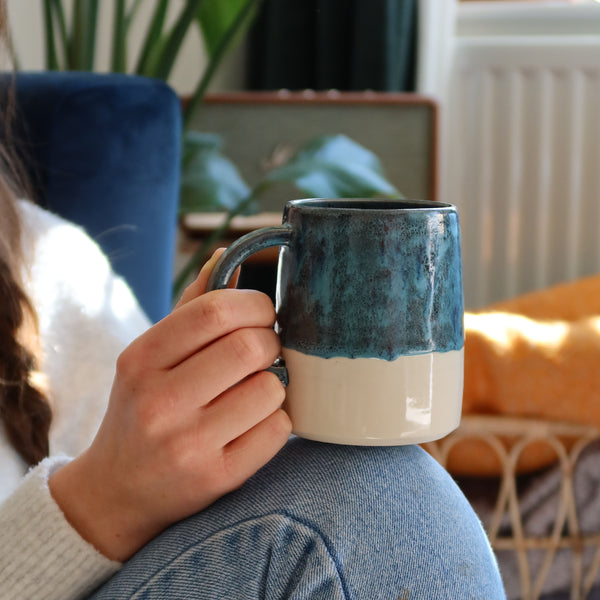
(87, 316)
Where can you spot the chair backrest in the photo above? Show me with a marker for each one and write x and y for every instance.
(103, 151)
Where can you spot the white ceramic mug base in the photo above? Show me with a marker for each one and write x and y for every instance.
(373, 402)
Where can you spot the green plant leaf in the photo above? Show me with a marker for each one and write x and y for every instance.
(51, 54)
(152, 41)
(82, 48)
(222, 25)
(119, 46)
(131, 13)
(174, 39)
(209, 181)
(215, 18)
(62, 28)
(335, 167)
(122, 19)
(57, 48)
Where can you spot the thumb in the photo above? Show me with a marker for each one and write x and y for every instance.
(198, 287)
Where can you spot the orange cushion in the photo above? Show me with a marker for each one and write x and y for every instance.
(536, 356)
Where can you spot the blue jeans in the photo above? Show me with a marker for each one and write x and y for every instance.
(324, 522)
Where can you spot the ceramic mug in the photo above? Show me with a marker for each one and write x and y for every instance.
(370, 315)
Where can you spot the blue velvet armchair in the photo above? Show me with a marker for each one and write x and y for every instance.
(103, 150)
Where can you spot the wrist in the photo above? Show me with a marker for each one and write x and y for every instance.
(89, 504)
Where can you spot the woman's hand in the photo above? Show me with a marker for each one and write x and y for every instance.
(192, 415)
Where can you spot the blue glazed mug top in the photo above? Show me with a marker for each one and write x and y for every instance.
(371, 278)
(363, 278)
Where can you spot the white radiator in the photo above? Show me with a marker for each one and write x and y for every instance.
(522, 160)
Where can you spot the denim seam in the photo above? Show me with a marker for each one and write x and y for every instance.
(326, 543)
(306, 524)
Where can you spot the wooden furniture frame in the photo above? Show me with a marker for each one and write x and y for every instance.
(509, 438)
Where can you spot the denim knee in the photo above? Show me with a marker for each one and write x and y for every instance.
(325, 521)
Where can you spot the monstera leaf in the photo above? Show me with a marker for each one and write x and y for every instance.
(209, 181)
(335, 167)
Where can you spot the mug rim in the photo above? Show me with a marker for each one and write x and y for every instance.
(378, 205)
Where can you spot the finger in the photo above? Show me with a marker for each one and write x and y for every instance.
(242, 407)
(251, 451)
(218, 367)
(200, 322)
(198, 286)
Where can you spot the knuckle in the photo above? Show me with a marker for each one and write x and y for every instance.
(226, 475)
(179, 456)
(154, 408)
(125, 361)
(265, 304)
(129, 364)
(271, 388)
(249, 348)
(280, 424)
(148, 416)
(217, 313)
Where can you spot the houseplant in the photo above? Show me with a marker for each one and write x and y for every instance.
(328, 166)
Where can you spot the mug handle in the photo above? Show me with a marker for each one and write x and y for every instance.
(236, 254)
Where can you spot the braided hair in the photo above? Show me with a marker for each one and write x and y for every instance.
(24, 410)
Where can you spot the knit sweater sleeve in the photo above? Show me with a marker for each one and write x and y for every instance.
(41, 555)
